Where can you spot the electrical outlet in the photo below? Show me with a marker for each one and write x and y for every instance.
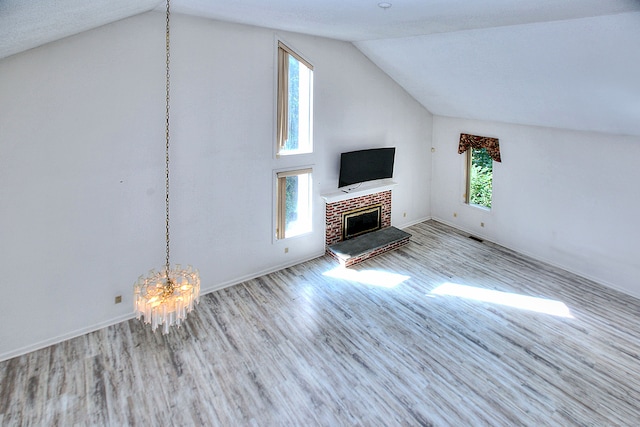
(482, 224)
(286, 250)
(404, 214)
(118, 299)
(455, 214)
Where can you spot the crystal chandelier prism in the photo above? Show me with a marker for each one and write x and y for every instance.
(165, 297)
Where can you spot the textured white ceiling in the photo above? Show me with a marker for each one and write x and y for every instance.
(354, 20)
(568, 64)
(25, 24)
(577, 74)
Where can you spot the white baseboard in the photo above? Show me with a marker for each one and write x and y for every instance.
(409, 224)
(549, 261)
(82, 331)
(64, 337)
(254, 275)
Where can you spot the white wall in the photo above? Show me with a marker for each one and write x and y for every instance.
(82, 163)
(566, 197)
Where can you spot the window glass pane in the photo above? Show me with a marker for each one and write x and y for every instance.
(291, 201)
(298, 217)
(298, 109)
(294, 204)
(480, 178)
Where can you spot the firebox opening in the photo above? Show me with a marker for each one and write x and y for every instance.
(361, 221)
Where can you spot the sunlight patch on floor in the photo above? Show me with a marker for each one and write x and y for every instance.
(540, 305)
(383, 279)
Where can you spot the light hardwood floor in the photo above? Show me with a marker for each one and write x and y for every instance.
(302, 347)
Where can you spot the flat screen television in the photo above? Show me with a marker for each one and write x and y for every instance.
(366, 165)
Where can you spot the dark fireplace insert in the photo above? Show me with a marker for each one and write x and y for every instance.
(361, 221)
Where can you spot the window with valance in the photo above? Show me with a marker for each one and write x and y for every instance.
(492, 145)
(481, 152)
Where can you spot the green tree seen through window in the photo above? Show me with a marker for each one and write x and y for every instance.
(292, 199)
(480, 178)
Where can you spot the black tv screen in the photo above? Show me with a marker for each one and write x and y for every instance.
(366, 165)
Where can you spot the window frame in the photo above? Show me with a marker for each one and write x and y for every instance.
(282, 101)
(281, 200)
(467, 195)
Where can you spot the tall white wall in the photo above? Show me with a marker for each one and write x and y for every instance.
(570, 198)
(82, 163)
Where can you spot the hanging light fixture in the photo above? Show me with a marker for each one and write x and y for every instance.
(165, 297)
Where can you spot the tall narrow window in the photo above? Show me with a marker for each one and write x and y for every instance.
(295, 103)
(479, 177)
(293, 203)
(481, 153)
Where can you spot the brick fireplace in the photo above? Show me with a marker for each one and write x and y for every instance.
(370, 210)
(335, 212)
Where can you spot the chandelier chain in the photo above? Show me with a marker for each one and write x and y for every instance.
(168, 57)
(165, 297)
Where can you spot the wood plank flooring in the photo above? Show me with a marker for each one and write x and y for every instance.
(378, 347)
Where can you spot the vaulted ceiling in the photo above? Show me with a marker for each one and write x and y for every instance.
(570, 64)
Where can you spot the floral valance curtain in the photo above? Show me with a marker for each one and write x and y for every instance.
(474, 141)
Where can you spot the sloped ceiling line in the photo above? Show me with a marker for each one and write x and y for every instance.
(570, 64)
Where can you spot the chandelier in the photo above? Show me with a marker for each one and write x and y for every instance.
(166, 296)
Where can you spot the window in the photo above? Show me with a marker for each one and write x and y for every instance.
(293, 203)
(481, 151)
(479, 177)
(295, 103)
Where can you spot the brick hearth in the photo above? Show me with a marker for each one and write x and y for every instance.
(352, 251)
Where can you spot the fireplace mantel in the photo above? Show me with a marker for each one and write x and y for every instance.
(364, 190)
